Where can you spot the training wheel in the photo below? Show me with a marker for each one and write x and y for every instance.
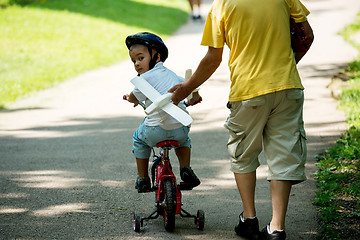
(200, 219)
(137, 221)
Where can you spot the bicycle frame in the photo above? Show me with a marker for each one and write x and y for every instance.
(161, 176)
(164, 172)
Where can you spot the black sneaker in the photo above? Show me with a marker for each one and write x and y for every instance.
(248, 229)
(197, 18)
(143, 184)
(188, 176)
(275, 235)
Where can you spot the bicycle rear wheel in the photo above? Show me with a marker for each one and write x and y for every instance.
(170, 206)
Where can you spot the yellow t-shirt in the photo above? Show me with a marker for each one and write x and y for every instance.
(257, 33)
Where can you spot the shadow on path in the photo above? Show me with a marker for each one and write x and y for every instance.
(52, 184)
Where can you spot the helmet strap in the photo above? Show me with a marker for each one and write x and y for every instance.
(152, 62)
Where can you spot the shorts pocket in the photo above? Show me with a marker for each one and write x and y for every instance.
(254, 102)
(303, 144)
(295, 94)
(233, 105)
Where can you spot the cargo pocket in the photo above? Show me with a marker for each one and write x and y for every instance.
(303, 144)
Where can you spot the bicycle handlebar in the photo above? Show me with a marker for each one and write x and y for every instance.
(125, 97)
(196, 102)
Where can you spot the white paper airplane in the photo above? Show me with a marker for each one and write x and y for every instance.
(161, 101)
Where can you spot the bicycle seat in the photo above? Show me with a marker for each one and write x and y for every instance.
(167, 143)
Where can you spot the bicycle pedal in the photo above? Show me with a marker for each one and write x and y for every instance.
(145, 191)
(185, 186)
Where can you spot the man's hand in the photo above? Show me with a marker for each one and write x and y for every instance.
(310, 36)
(180, 92)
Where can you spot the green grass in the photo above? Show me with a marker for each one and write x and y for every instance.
(338, 182)
(46, 42)
(349, 31)
(350, 102)
(338, 177)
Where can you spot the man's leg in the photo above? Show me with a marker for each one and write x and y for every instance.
(248, 226)
(246, 183)
(280, 192)
(285, 151)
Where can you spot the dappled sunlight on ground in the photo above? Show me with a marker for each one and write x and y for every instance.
(46, 179)
(10, 209)
(62, 209)
(110, 183)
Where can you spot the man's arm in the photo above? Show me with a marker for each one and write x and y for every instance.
(206, 68)
(309, 34)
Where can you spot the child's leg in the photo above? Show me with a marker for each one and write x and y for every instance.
(183, 154)
(142, 167)
(186, 173)
(143, 183)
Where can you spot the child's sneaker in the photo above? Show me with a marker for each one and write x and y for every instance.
(143, 184)
(188, 176)
(248, 228)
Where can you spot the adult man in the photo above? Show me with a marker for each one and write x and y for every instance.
(265, 101)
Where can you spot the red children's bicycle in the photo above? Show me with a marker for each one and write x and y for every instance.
(167, 193)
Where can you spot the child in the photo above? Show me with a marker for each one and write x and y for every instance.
(148, 52)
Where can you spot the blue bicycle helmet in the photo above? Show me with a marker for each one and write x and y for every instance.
(150, 40)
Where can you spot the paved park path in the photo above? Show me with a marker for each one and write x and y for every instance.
(66, 168)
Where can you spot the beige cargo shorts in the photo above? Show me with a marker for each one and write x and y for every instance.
(272, 123)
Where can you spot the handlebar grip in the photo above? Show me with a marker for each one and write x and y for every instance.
(125, 97)
(198, 101)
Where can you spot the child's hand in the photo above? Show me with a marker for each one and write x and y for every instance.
(131, 99)
(126, 97)
(196, 98)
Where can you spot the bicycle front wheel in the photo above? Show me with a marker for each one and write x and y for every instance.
(170, 206)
